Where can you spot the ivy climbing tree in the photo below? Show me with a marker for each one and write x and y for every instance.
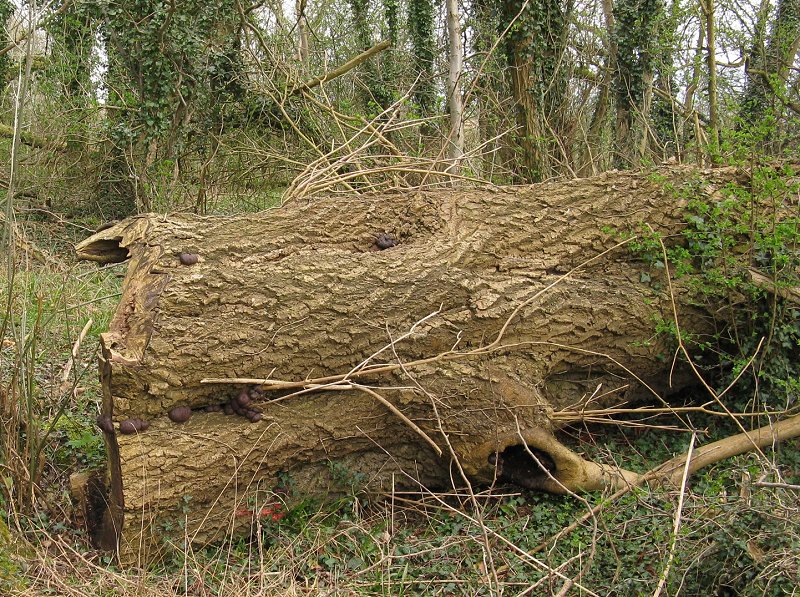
(6, 10)
(420, 29)
(665, 118)
(172, 69)
(767, 69)
(535, 52)
(72, 38)
(378, 94)
(634, 38)
(552, 88)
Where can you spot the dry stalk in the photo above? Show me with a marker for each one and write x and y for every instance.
(76, 347)
(662, 582)
(524, 555)
(487, 546)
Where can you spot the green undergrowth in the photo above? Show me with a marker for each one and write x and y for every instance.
(739, 258)
(48, 396)
(12, 555)
(736, 537)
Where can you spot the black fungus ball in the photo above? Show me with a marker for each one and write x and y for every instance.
(104, 422)
(180, 414)
(243, 398)
(385, 241)
(131, 426)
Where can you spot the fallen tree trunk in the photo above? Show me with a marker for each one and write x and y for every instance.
(376, 340)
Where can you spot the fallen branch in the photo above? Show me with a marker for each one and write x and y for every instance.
(671, 471)
(788, 293)
(343, 69)
(31, 139)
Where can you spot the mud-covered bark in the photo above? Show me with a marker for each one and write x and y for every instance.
(304, 293)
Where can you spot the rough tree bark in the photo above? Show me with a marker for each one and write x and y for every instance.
(406, 338)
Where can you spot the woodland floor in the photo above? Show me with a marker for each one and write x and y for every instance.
(726, 534)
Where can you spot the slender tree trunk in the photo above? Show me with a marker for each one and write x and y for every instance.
(691, 92)
(302, 32)
(489, 87)
(666, 123)
(645, 132)
(375, 89)
(599, 117)
(421, 25)
(711, 59)
(455, 145)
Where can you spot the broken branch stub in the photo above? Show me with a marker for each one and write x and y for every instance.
(286, 351)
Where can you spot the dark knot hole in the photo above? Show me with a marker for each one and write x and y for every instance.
(522, 465)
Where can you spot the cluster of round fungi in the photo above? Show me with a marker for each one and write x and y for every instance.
(241, 404)
(128, 426)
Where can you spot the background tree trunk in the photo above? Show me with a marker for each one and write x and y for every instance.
(535, 51)
(455, 105)
(767, 69)
(633, 40)
(476, 295)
